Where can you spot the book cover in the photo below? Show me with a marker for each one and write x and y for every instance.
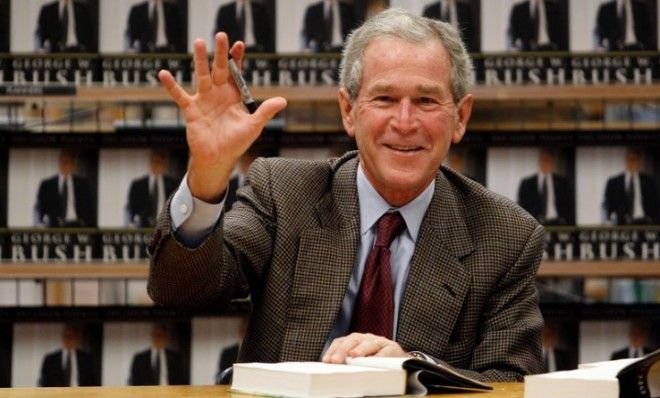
(38, 349)
(215, 345)
(127, 350)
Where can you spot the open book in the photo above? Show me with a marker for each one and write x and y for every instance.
(629, 378)
(368, 376)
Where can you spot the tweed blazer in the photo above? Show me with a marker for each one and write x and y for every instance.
(291, 239)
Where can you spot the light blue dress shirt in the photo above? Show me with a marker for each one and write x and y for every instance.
(193, 221)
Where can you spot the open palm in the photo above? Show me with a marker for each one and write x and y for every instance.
(218, 127)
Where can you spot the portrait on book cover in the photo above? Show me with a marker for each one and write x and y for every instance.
(465, 15)
(215, 345)
(54, 26)
(618, 185)
(56, 354)
(52, 188)
(316, 26)
(615, 25)
(524, 25)
(251, 21)
(145, 353)
(617, 339)
(539, 179)
(144, 26)
(560, 345)
(134, 184)
(469, 161)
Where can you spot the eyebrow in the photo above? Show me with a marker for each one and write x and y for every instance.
(424, 89)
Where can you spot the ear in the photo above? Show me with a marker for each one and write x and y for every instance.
(464, 111)
(346, 108)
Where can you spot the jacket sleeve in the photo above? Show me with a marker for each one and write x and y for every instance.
(229, 263)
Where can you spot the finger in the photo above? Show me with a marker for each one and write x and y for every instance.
(391, 349)
(338, 350)
(220, 69)
(367, 347)
(237, 51)
(176, 92)
(201, 60)
(268, 109)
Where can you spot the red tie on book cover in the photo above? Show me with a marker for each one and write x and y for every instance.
(374, 307)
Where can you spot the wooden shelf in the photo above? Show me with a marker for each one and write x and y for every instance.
(140, 270)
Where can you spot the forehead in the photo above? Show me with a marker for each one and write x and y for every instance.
(390, 61)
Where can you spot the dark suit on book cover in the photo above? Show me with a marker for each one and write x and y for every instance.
(610, 29)
(228, 358)
(51, 29)
(141, 206)
(618, 205)
(534, 200)
(142, 370)
(291, 244)
(466, 22)
(317, 35)
(524, 28)
(49, 209)
(54, 374)
(141, 35)
(227, 22)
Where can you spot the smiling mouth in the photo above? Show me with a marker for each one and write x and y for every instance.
(404, 148)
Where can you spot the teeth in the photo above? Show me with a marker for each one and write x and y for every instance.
(403, 148)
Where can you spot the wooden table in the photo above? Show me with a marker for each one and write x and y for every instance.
(502, 390)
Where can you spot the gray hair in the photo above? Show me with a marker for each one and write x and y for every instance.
(402, 24)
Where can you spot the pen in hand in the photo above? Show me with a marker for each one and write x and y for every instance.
(246, 97)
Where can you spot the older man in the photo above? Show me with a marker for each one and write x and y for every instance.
(380, 252)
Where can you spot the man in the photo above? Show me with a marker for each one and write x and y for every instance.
(554, 357)
(625, 25)
(300, 239)
(632, 197)
(157, 365)
(459, 14)
(229, 354)
(537, 25)
(65, 199)
(68, 366)
(247, 21)
(547, 195)
(637, 337)
(155, 26)
(65, 26)
(147, 195)
(326, 25)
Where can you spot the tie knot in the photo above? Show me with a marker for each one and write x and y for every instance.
(389, 225)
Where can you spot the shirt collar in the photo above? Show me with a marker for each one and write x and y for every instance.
(372, 206)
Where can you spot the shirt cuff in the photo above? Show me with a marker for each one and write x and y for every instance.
(193, 219)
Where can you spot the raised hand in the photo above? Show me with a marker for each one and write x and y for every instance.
(218, 127)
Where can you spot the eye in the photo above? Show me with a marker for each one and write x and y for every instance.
(384, 99)
(427, 101)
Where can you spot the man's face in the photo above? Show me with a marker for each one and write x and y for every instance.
(633, 161)
(160, 337)
(67, 163)
(69, 338)
(546, 162)
(404, 118)
(157, 163)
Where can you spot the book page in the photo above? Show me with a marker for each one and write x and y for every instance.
(378, 362)
(310, 367)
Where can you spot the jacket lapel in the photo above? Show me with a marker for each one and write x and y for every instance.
(437, 281)
(325, 262)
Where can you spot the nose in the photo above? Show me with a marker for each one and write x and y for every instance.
(404, 119)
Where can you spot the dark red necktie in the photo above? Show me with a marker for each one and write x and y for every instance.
(374, 308)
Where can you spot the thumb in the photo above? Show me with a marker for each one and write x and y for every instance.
(268, 109)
